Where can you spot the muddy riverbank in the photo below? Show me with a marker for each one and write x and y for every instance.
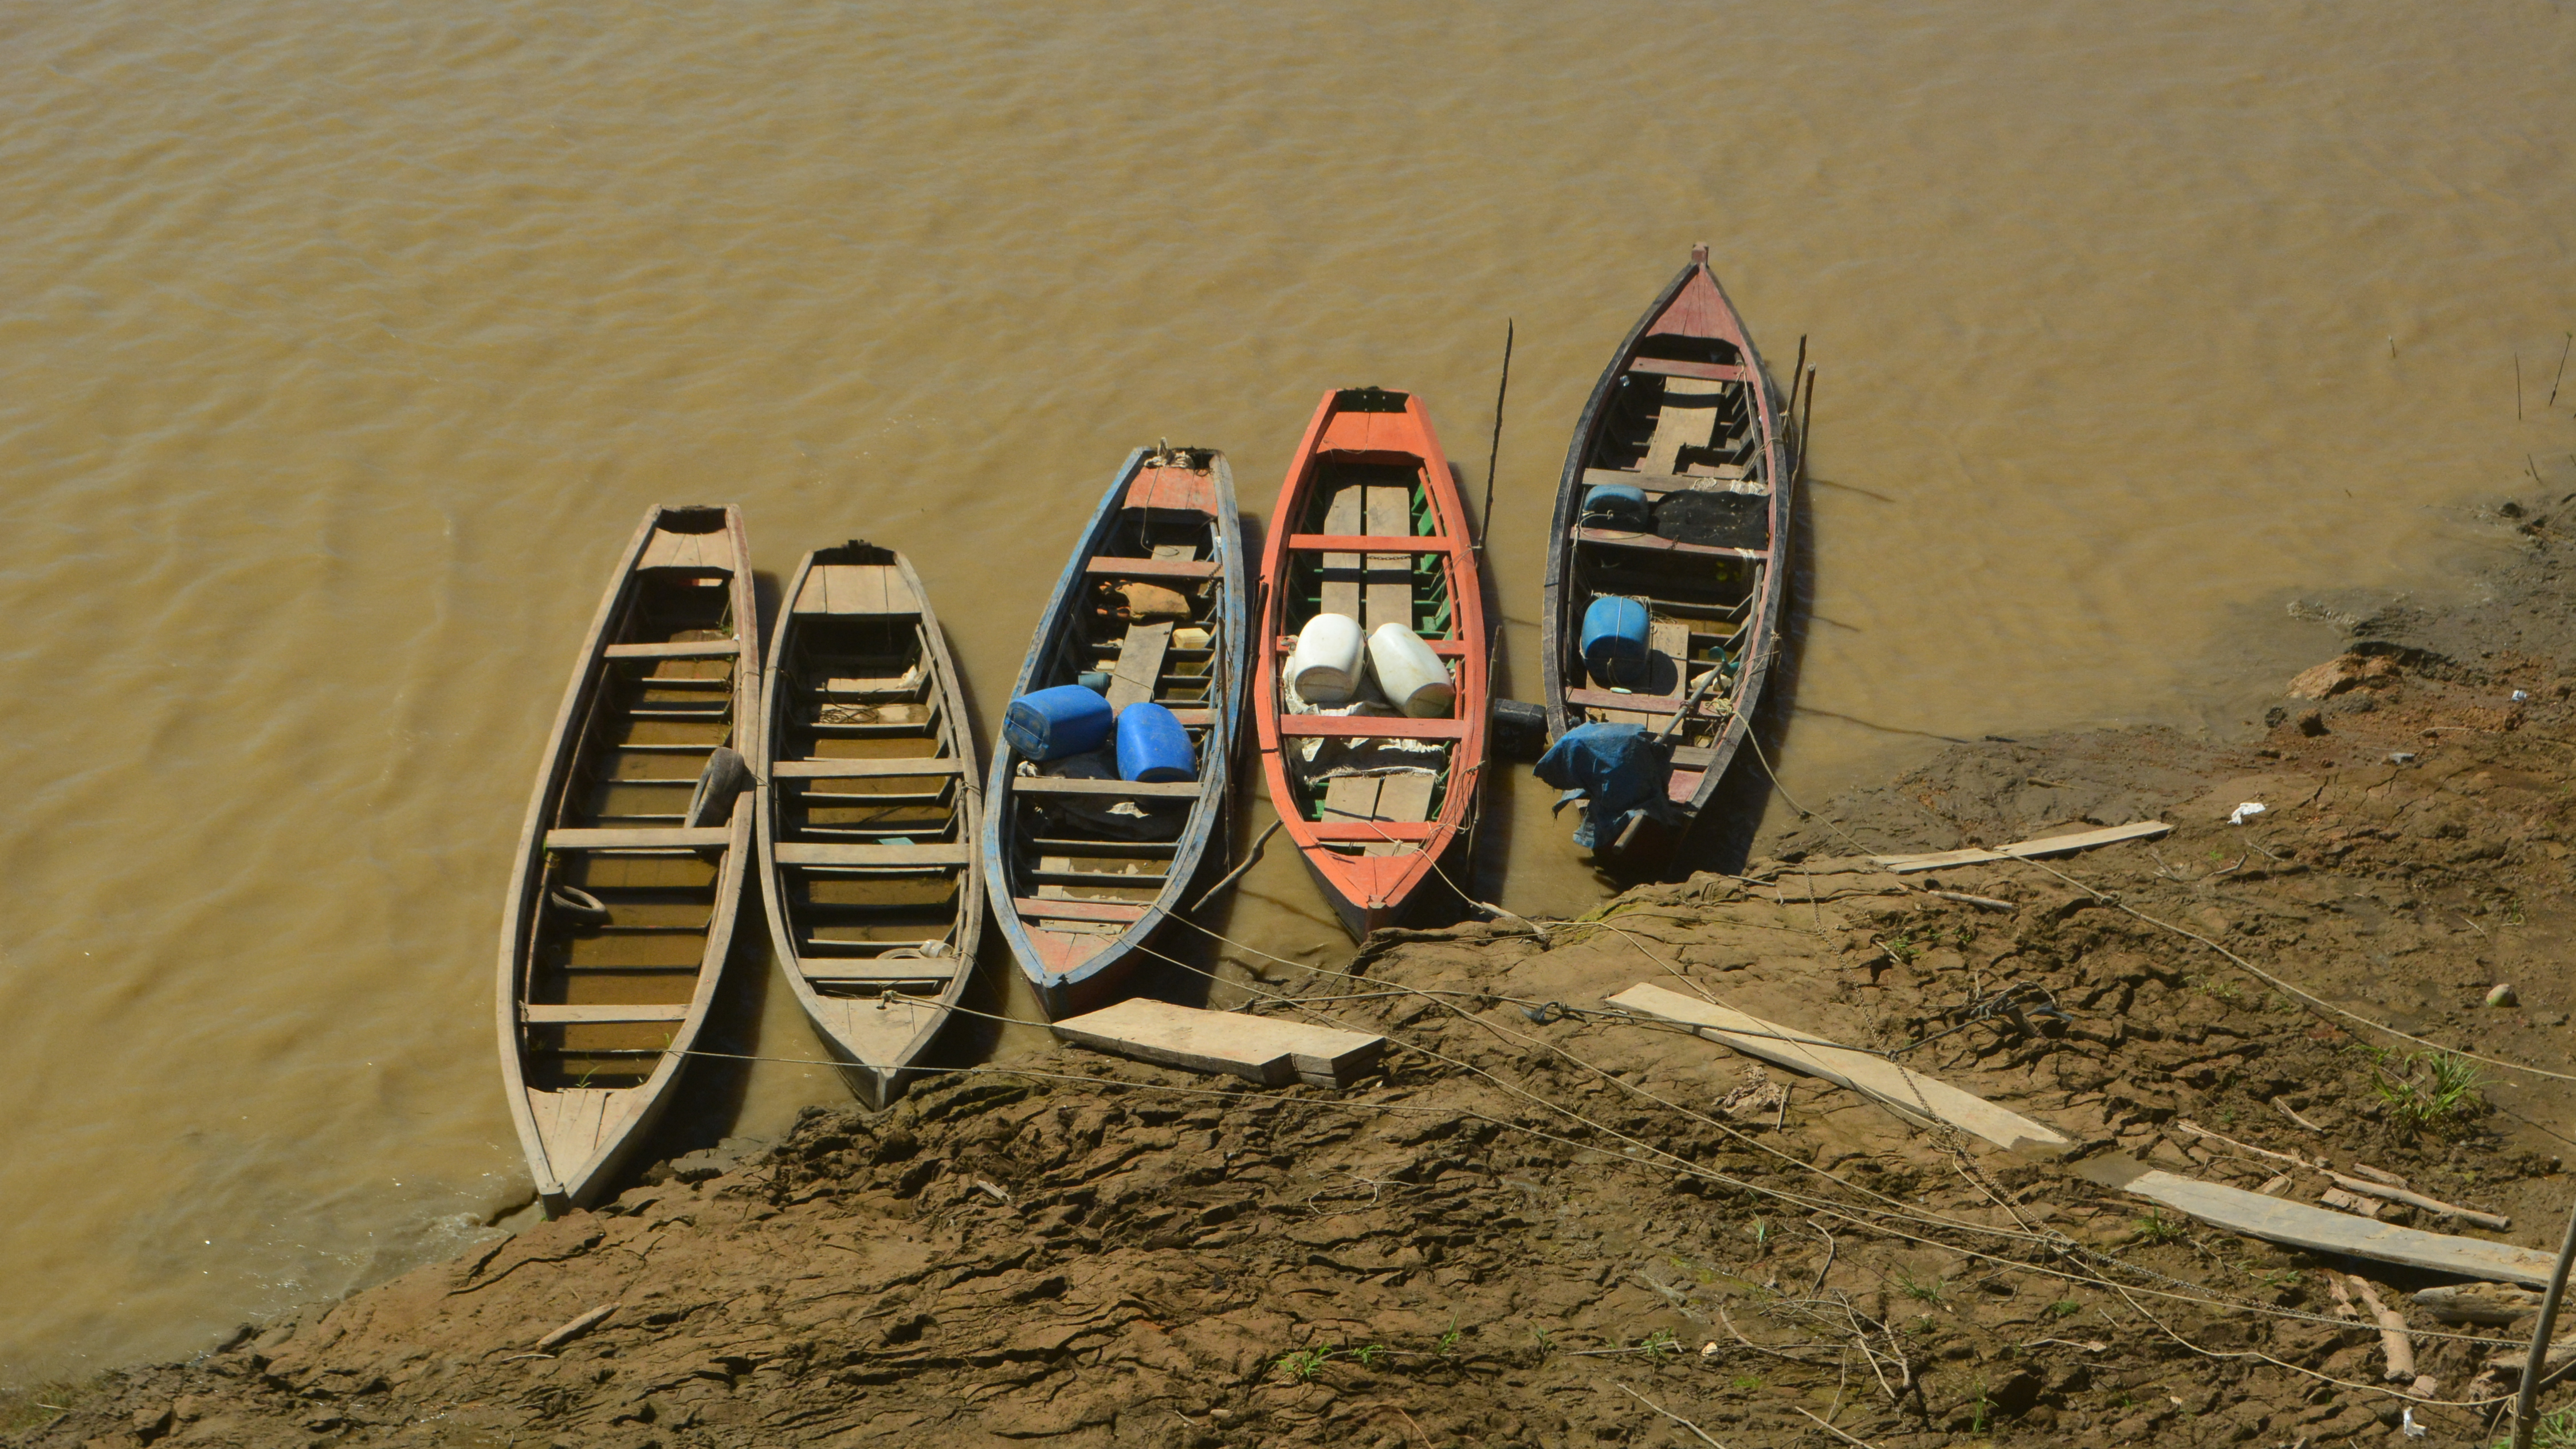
(1547, 1223)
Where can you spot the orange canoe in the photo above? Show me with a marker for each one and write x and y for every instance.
(1369, 525)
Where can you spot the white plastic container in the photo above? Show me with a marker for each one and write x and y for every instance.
(1410, 676)
(1324, 668)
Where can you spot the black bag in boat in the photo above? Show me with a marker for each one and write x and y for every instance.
(1723, 520)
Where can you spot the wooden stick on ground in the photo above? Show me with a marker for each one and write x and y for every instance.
(1669, 1414)
(2284, 1109)
(2417, 1199)
(2185, 1124)
(576, 1327)
(2392, 1335)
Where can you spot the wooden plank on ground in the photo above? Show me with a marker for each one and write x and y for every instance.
(1387, 509)
(1909, 1093)
(1264, 1049)
(2025, 849)
(1341, 571)
(1140, 663)
(2323, 1230)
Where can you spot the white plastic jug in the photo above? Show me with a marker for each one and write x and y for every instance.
(1324, 668)
(1410, 676)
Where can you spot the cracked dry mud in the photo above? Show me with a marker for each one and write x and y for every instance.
(1545, 1227)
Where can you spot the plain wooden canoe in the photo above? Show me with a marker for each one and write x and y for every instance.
(1683, 411)
(1369, 524)
(630, 866)
(869, 811)
(1083, 871)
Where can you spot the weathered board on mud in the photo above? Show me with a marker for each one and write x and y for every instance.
(1910, 1094)
(2326, 1231)
(1264, 1049)
(2026, 849)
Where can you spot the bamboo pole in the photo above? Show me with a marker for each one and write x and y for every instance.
(1485, 520)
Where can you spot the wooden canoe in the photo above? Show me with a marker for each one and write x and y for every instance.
(630, 866)
(869, 807)
(1369, 525)
(1685, 413)
(1083, 870)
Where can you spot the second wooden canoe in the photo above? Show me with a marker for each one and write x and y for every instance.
(630, 866)
(1684, 415)
(869, 813)
(1370, 525)
(1083, 867)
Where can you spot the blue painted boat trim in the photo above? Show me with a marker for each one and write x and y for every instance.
(1088, 988)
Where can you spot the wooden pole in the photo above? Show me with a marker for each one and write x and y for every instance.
(1797, 374)
(1808, 421)
(2517, 387)
(1485, 520)
(2529, 1397)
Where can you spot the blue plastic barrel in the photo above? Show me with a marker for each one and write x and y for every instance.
(1054, 723)
(1615, 634)
(1152, 746)
(1616, 505)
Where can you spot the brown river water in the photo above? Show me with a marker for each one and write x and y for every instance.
(342, 344)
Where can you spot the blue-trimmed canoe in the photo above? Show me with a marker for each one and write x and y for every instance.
(1083, 867)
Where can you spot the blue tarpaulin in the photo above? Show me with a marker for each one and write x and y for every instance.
(1618, 769)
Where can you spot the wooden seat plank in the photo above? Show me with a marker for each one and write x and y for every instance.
(1381, 727)
(1070, 910)
(1111, 789)
(1372, 832)
(1152, 568)
(1657, 484)
(1372, 542)
(602, 1015)
(1656, 543)
(846, 970)
(682, 649)
(860, 769)
(813, 852)
(672, 839)
(1708, 371)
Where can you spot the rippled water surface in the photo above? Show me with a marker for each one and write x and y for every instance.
(341, 345)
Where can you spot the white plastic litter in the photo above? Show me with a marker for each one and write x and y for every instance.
(2413, 1429)
(2245, 812)
(2520, 695)
(1325, 666)
(1410, 676)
